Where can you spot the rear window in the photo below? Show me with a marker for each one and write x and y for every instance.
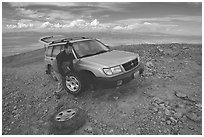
(49, 51)
(56, 50)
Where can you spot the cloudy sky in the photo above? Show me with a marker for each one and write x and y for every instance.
(169, 18)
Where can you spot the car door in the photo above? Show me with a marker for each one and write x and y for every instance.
(56, 50)
(48, 55)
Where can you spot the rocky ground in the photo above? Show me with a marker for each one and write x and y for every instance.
(167, 99)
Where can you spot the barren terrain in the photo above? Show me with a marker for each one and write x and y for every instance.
(167, 99)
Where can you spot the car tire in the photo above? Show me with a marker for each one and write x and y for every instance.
(73, 83)
(66, 121)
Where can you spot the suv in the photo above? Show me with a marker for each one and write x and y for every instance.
(94, 63)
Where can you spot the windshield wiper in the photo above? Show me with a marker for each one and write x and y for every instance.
(103, 51)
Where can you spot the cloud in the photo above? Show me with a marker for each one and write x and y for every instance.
(46, 14)
(94, 23)
(29, 13)
(57, 14)
(26, 4)
(74, 24)
(145, 27)
(85, 25)
(162, 19)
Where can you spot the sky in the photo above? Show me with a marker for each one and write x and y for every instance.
(184, 18)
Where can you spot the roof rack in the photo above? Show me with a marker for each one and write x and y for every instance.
(69, 39)
(46, 39)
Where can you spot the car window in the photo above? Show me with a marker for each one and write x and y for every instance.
(49, 51)
(90, 47)
(56, 50)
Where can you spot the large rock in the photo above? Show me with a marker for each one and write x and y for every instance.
(194, 116)
(180, 94)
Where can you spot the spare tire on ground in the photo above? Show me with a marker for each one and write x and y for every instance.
(66, 121)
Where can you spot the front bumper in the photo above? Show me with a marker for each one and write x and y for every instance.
(123, 78)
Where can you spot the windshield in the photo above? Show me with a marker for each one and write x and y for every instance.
(89, 48)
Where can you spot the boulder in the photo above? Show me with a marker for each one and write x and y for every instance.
(88, 129)
(180, 94)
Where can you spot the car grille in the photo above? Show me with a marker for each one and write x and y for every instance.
(130, 65)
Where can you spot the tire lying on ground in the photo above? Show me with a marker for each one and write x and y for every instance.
(66, 121)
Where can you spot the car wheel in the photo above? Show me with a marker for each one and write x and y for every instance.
(66, 121)
(73, 83)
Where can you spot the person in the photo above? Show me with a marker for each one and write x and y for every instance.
(67, 57)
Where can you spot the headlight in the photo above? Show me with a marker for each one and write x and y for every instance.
(113, 70)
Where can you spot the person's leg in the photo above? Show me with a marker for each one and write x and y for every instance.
(59, 86)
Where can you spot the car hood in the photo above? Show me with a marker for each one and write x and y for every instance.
(111, 58)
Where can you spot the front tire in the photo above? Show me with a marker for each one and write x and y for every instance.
(73, 84)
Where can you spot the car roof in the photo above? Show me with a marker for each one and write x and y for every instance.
(59, 39)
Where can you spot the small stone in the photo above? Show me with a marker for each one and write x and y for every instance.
(149, 65)
(123, 114)
(158, 100)
(159, 112)
(173, 120)
(163, 119)
(168, 122)
(192, 99)
(155, 109)
(180, 94)
(167, 112)
(43, 85)
(181, 105)
(124, 129)
(89, 129)
(162, 105)
(138, 130)
(148, 74)
(199, 105)
(83, 103)
(16, 116)
(75, 98)
(116, 98)
(104, 125)
(166, 131)
(184, 118)
(111, 131)
(95, 121)
(155, 104)
(191, 127)
(178, 115)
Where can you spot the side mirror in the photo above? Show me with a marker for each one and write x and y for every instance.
(75, 60)
(108, 47)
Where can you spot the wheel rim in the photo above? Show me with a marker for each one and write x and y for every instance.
(65, 114)
(72, 83)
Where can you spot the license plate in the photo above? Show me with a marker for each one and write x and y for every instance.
(136, 74)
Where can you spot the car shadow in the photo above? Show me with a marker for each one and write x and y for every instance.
(113, 93)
